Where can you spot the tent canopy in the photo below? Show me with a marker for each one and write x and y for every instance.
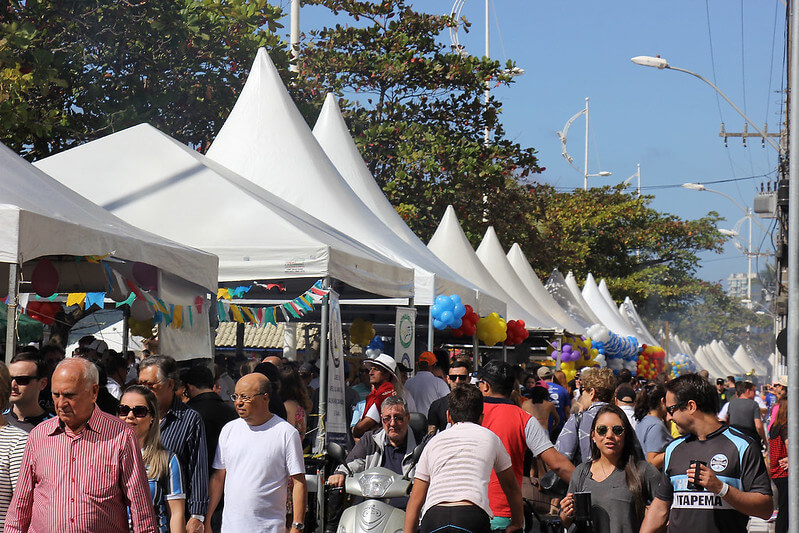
(334, 137)
(607, 313)
(493, 257)
(41, 217)
(575, 307)
(162, 185)
(266, 140)
(527, 275)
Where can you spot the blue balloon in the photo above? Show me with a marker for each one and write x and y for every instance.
(456, 300)
(455, 324)
(459, 310)
(439, 324)
(443, 302)
(436, 310)
(446, 317)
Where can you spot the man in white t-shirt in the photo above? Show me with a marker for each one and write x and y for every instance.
(450, 486)
(256, 456)
(424, 387)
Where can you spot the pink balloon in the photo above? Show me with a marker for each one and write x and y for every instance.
(44, 279)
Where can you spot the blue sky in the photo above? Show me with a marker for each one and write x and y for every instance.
(667, 121)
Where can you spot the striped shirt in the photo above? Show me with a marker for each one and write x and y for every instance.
(80, 483)
(12, 446)
(183, 433)
(457, 463)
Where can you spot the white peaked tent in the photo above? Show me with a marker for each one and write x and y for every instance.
(556, 286)
(493, 257)
(266, 140)
(450, 244)
(41, 217)
(528, 277)
(680, 346)
(334, 137)
(629, 313)
(606, 312)
(723, 358)
(613, 306)
(158, 183)
(748, 363)
(704, 362)
(571, 283)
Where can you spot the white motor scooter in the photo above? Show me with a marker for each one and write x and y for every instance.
(377, 485)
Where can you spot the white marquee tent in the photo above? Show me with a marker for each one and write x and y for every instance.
(571, 283)
(334, 137)
(41, 217)
(607, 313)
(266, 140)
(629, 313)
(160, 184)
(528, 276)
(557, 287)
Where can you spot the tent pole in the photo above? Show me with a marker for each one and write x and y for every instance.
(125, 330)
(321, 435)
(475, 352)
(11, 312)
(430, 333)
(504, 352)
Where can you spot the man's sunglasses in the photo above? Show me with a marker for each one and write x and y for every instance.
(603, 430)
(671, 409)
(23, 380)
(140, 411)
(461, 377)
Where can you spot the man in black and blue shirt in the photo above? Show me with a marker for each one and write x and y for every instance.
(730, 486)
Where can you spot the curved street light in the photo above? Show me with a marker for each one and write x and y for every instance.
(660, 63)
(563, 136)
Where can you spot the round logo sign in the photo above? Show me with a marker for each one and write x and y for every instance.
(719, 462)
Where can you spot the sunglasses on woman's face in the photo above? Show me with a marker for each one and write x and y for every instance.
(140, 411)
(603, 430)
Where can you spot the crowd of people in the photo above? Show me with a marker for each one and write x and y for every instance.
(101, 442)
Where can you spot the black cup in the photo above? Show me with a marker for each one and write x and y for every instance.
(582, 506)
(695, 465)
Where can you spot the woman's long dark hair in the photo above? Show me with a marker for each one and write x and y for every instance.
(629, 459)
(648, 399)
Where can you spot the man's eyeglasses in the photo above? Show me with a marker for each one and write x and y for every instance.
(396, 418)
(461, 377)
(671, 409)
(244, 398)
(603, 430)
(140, 411)
(150, 385)
(23, 380)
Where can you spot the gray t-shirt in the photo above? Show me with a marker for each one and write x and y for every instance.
(652, 434)
(612, 503)
(742, 413)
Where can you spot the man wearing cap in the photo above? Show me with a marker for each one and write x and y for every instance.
(518, 431)
(424, 387)
(382, 377)
(559, 397)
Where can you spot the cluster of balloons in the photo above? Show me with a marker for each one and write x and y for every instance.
(44, 278)
(468, 323)
(492, 329)
(375, 347)
(619, 352)
(361, 332)
(682, 364)
(516, 333)
(447, 312)
(575, 353)
(650, 361)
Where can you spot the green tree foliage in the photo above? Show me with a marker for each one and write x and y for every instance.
(98, 66)
(417, 113)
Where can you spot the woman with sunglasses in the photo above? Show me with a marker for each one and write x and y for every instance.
(619, 481)
(139, 409)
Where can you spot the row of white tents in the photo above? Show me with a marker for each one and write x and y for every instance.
(274, 200)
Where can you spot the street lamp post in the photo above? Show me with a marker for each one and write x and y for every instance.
(562, 135)
(660, 63)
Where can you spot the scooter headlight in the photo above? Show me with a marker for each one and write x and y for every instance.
(374, 485)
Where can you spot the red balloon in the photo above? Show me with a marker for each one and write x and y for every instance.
(44, 279)
(146, 275)
(44, 312)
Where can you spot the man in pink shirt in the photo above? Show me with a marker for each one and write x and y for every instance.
(83, 469)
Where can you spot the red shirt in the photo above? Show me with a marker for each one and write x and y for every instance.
(377, 396)
(81, 483)
(508, 421)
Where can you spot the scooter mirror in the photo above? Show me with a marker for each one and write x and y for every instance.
(337, 452)
(417, 453)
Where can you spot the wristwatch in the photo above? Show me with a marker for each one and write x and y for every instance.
(299, 526)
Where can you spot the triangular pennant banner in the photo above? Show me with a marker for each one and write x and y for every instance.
(76, 298)
(95, 298)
